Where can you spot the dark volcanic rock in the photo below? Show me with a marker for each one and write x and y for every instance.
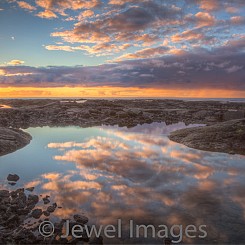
(32, 199)
(36, 213)
(228, 137)
(12, 140)
(13, 177)
(4, 193)
(17, 224)
(80, 219)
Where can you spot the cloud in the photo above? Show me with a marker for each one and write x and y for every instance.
(47, 14)
(25, 5)
(145, 53)
(210, 5)
(188, 35)
(234, 69)
(232, 10)
(16, 62)
(128, 25)
(238, 20)
(221, 69)
(122, 2)
(85, 14)
(60, 6)
(204, 19)
(63, 48)
(143, 29)
(99, 49)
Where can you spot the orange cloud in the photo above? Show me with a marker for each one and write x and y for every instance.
(25, 5)
(204, 19)
(187, 36)
(23, 92)
(87, 13)
(121, 2)
(144, 53)
(209, 5)
(16, 62)
(47, 14)
(61, 5)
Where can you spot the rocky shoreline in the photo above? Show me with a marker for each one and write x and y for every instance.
(22, 214)
(227, 137)
(129, 113)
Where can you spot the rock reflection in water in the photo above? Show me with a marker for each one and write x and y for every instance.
(5, 107)
(139, 174)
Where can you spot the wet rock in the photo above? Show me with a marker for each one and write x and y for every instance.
(51, 209)
(20, 190)
(80, 219)
(46, 213)
(4, 193)
(32, 199)
(13, 218)
(13, 177)
(37, 213)
(23, 211)
(46, 200)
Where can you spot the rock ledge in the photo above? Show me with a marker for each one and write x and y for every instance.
(227, 137)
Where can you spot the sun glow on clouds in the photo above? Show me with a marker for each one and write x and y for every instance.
(110, 92)
(145, 48)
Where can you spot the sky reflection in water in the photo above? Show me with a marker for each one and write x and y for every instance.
(110, 173)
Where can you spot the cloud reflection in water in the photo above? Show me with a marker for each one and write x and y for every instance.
(139, 174)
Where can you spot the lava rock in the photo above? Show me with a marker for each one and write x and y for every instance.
(13, 177)
(80, 219)
(36, 213)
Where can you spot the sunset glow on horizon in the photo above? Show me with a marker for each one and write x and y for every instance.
(114, 92)
(122, 48)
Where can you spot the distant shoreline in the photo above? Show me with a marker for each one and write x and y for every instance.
(128, 98)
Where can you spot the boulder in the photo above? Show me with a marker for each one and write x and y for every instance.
(13, 177)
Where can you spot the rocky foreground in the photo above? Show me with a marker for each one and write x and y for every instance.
(129, 113)
(22, 214)
(12, 140)
(228, 137)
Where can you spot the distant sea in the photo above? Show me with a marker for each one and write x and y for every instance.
(142, 98)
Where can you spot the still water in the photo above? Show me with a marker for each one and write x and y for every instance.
(111, 173)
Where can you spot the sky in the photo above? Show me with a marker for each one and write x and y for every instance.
(122, 48)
